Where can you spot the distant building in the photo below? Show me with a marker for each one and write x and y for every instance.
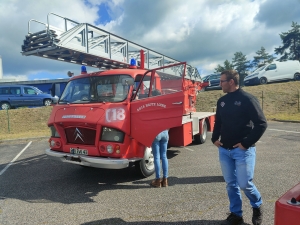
(44, 85)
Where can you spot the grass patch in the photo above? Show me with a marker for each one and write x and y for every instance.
(24, 123)
(279, 101)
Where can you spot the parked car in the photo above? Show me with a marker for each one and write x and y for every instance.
(12, 96)
(276, 71)
(213, 79)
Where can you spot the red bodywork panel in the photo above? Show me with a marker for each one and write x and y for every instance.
(285, 213)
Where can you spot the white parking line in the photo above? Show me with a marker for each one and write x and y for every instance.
(287, 131)
(189, 149)
(8, 165)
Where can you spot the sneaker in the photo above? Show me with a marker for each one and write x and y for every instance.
(257, 216)
(233, 219)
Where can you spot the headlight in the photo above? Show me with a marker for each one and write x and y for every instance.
(54, 132)
(109, 149)
(113, 135)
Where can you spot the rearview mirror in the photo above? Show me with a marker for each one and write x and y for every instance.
(127, 81)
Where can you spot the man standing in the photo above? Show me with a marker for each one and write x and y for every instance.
(239, 124)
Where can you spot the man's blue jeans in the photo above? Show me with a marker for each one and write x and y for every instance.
(159, 150)
(237, 166)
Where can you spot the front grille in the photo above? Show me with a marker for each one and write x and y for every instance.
(78, 135)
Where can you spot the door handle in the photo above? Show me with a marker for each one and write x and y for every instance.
(177, 103)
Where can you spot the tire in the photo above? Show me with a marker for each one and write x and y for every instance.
(263, 80)
(145, 167)
(47, 102)
(201, 138)
(297, 76)
(5, 105)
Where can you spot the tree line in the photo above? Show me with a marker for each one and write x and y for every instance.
(290, 50)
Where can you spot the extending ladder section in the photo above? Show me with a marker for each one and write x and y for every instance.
(85, 44)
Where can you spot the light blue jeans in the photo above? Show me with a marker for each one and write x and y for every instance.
(159, 150)
(237, 166)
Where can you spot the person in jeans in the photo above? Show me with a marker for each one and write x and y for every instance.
(159, 150)
(239, 124)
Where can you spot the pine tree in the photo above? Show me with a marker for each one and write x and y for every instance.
(227, 66)
(291, 44)
(241, 65)
(262, 58)
(240, 62)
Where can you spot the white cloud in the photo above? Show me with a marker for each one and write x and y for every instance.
(203, 32)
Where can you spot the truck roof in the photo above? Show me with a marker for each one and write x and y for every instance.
(132, 72)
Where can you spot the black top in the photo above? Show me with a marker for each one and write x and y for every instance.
(239, 119)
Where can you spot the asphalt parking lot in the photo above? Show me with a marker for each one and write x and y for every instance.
(37, 190)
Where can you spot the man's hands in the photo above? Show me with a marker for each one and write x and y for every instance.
(238, 145)
(218, 143)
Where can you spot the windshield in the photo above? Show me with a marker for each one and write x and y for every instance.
(259, 69)
(205, 78)
(95, 89)
(37, 90)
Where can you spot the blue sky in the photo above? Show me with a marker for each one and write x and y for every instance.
(202, 32)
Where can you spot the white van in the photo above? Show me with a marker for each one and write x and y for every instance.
(276, 71)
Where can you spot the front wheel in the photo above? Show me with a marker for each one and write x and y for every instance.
(201, 138)
(47, 102)
(263, 80)
(145, 167)
(297, 76)
(5, 105)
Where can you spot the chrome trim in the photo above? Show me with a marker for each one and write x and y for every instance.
(97, 162)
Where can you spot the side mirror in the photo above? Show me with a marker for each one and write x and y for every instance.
(127, 81)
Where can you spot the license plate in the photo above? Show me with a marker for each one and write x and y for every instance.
(78, 151)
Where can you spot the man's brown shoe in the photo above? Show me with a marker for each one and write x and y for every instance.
(156, 183)
(164, 182)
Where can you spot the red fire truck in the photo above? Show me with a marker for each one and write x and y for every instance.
(108, 119)
(287, 207)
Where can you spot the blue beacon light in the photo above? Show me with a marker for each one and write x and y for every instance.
(83, 69)
(132, 64)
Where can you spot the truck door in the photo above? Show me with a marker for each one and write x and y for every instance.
(158, 103)
(271, 72)
(16, 98)
(31, 98)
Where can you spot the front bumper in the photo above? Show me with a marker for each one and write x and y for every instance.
(252, 81)
(105, 163)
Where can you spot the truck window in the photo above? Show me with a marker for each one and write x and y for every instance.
(29, 91)
(4, 90)
(15, 90)
(95, 89)
(165, 81)
(271, 67)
